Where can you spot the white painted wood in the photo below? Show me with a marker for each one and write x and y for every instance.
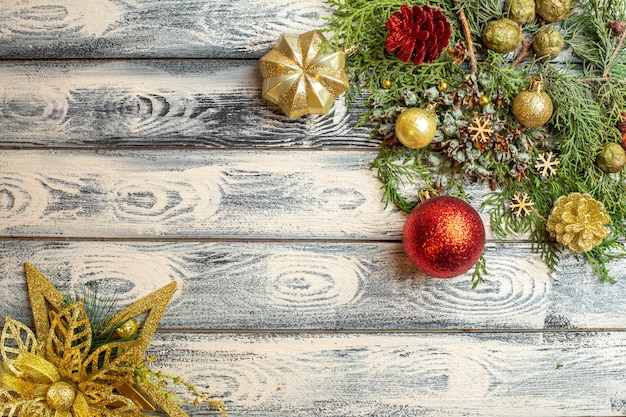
(166, 103)
(155, 28)
(504, 374)
(216, 194)
(295, 298)
(317, 285)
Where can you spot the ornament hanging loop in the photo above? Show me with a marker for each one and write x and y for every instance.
(351, 51)
(537, 83)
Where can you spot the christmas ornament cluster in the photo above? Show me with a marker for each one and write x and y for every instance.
(524, 96)
(81, 363)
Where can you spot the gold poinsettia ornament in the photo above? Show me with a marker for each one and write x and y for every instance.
(57, 371)
(300, 79)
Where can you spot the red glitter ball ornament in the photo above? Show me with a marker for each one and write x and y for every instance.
(421, 32)
(444, 236)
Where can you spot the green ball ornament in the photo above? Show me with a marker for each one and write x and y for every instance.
(416, 127)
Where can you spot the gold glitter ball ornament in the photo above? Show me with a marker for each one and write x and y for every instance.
(578, 222)
(416, 127)
(484, 101)
(60, 396)
(126, 330)
(299, 79)
(442, 86)
(386, 84)
(533, 107)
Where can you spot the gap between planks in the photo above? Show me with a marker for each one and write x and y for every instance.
(391, 331)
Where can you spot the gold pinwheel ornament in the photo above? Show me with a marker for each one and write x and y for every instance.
(57, 371)
(301, 80)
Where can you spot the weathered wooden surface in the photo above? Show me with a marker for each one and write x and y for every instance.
(165, 103)
(295, 298)
(321, 285)
(423, 374)
(132, 28)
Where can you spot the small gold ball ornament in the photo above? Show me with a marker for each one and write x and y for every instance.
(484, 101)
(126, 330)
(442, 86)
(416, 127)
(533, 107)
(60, 396)
(386, 84)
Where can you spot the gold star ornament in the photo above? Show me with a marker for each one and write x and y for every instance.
(68, 369)
(300, 79)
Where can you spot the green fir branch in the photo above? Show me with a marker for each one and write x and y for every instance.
(588, 95)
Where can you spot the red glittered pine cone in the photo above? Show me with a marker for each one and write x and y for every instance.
(421, 32)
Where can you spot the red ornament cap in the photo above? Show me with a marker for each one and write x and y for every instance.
(444, 236)
(421, 32)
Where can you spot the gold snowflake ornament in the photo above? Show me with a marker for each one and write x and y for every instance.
(521, 205)
(547, 164)
(481, 129)
(56, 372)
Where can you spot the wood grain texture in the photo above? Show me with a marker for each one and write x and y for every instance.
(506, 374)
(164, 103)
(215, 194)
(294, 295)
(291, 285)
(132, 28)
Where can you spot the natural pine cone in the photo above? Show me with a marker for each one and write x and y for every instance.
(421, 32)
(578, 222)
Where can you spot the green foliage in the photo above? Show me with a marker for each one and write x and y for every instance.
(588, 92)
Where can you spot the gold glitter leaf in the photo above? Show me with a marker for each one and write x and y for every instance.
(108, 366)
(69, 340)
(154, 305)
(16, 338)
(44, 297)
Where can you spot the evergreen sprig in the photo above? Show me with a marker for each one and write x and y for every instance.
(587, 87)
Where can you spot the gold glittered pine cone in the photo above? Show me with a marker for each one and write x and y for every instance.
(578, 222)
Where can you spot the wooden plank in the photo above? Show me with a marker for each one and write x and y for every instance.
(200, 194)
(296, 285)
(503, 374)
(129, 29)
(165, 103)
(212, 194)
